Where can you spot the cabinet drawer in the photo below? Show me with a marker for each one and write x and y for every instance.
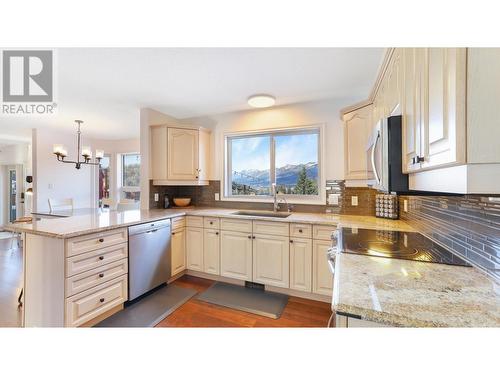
(178, 222)
(271, 227)
(88, 261)
(87, 305)
(194, 221)
(236, 225)
(301, 230)
(211, 222)
(323, 232)
(94, 241)
(86, 280)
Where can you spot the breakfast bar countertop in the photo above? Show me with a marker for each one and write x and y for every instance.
(406, 293)
(85, 221)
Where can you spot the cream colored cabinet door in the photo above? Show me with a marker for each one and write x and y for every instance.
(236, 255)
(178, 251)
(357, 128)
(211, 251)
(301, 264)
(271, 257)
(204, 155)
(194, 248)
(443, 132)
(393, 86)
(322, 277)
(413, 107)
(159, 152)
(183, 154)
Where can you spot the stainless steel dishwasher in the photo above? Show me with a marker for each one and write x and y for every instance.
(149, 257)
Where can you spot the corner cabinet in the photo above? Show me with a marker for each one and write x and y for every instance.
(357, 130)
(179, 156)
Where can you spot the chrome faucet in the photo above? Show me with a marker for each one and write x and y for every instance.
(276, 205)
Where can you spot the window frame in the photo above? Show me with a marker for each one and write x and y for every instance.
(291, 198)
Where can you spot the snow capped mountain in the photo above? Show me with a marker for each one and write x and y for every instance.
(286, 175)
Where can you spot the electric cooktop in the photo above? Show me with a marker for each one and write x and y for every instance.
(394, 244)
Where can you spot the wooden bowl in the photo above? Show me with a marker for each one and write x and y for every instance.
(182, 202)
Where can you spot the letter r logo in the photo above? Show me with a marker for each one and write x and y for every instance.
(27, 76)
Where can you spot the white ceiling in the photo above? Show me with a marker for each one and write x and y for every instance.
(107, 87)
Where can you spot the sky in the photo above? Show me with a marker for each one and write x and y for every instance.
(253, 152)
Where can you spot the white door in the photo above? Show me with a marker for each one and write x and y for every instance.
(444, 126)
(178, 251)
(194, 248)
(182, 154)
(271, 257)
(301, 264)
(159, 152)
(357, 127)
(322, 277)
(236, 255)
(211, 251)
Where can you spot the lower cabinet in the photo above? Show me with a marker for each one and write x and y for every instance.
(194, 248)
(211, 251)
(322, 277)
(271, 260)
(301, 264)
(178, 251)
(236, 255)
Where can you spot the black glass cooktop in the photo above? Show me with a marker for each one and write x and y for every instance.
(394, 244)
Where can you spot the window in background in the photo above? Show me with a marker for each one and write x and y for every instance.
(288, 158)
(130, 168)
(105, 177)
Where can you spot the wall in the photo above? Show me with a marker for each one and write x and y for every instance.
(466, 225)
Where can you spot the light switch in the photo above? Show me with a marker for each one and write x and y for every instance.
(157, 197)
(333, 199)
(405, 205)
(216, 196)
(51, 186)
(354, 200)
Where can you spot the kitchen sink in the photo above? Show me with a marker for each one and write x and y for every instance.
(263, 214)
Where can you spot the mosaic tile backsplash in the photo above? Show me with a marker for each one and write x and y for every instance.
(468, 226)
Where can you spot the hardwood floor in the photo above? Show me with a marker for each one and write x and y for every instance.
(11, 272)
(299, 312)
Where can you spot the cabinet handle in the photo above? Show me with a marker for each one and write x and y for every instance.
(217, 233)
(291, 241)
(101, 300)
(197, 177)
(173, 233)
(101, 275)
(211, 223)
(101, 240)
(253, 237)
(101, 257)
(249, 237)
(300, 230)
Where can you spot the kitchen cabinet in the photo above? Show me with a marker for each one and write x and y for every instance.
(178, 251)
(194, 248)
(301, 264)
(357, 130)
(271, 260)
(236, 255)
(211, 251)
(179, 156)
(322, 276)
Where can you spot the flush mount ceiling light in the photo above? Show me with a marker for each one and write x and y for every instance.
(261, 101)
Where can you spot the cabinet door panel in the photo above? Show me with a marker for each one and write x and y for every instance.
(211, 251)
(322, 277)
(357, 128)
(178, 251)
(271, 260)
(194, 248)
(182, 154)
(236, 255)
(301, 264)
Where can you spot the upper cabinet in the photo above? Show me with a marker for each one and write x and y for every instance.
(357, 129)
(179, 156)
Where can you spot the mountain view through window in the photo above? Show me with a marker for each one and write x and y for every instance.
(288, 159)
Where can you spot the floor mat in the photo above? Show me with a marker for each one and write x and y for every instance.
(255, 301)
(151, 309)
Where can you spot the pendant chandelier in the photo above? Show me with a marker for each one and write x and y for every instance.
(61, 152)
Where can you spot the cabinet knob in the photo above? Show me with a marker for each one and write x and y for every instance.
(217, 233)
(101, 275)
(211, 223)
(101, 239)
(249, 237)
(173, 233)
(101, 300)
(253, 237)
(291, 241)
(300, 230)
(101, 257)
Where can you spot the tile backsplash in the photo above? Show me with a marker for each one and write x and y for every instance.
(467, 225)
(205, 196)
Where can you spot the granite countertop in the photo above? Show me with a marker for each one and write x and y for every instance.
(407, 293)
(85, 221)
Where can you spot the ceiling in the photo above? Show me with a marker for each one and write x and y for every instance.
(107, 87)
